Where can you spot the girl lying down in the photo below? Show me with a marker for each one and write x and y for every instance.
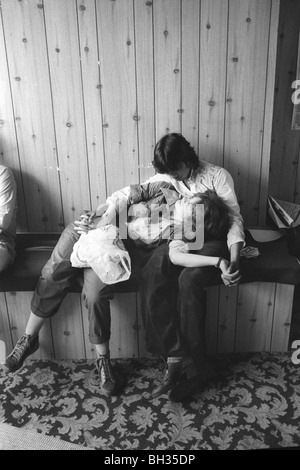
(162, 218)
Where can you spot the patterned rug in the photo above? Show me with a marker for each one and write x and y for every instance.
(254, 404)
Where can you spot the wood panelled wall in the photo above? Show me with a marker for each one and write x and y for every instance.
(247, 318)
(89, 86)
(284, 181)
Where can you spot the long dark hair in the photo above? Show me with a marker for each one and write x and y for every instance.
(172, 149)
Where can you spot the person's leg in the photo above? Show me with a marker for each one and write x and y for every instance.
(192, 313)
(6, 258)
(56, 277)
(96, 296)
(53, 285)
(157, 278)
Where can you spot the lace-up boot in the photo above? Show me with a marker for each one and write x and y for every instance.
(25, 346)
(108, 382)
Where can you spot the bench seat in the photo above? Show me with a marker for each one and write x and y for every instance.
(274, 264)
(254, 316)
(33, 251)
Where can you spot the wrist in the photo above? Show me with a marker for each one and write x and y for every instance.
(235, 262)
(218, 262)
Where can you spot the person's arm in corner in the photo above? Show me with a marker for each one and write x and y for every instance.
(8, 195)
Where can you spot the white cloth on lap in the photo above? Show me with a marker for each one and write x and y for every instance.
(102, 250)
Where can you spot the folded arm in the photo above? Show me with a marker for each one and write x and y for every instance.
(190, 260)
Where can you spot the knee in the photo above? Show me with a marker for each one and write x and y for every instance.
(97, 297)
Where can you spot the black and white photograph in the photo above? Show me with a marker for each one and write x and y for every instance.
(149, 227)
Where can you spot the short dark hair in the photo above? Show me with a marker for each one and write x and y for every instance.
(172, 149)
(216, 215)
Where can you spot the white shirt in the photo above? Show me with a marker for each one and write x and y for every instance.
(178, 246)
(207, 176)
(8, 207)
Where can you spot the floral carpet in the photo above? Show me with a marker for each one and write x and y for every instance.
(254, 404)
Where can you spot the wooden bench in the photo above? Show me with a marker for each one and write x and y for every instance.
(254, 316)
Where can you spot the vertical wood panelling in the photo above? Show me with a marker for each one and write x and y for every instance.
(296, 105)
(285, 142)
(297, 192)
(255, 316)
(227, 318)
(67, 329)
(268, 114)
(248, 39)
(27, 58)
(167, 53)
(143, 20)
(63, 51)
(252, 317)
(282, 317)
(296, 137)
(213, 54)
(117, 68)
(124, 331)
(9, 154)
(212, 318)
(97, 82)
(190, 70)
(5, 332)
(91, 85)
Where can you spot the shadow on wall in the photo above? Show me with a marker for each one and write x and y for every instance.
(39, 210)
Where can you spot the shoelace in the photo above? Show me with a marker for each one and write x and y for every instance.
(18, 350)
(106, 371)
(165, 371)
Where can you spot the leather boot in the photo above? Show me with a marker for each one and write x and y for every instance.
(108, 381)
(190, 382)
(170, 378)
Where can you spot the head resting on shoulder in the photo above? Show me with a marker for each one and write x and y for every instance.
(216, 213)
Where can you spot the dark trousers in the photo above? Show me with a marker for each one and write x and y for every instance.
(158, 281)
(191, 304)
(174, 301)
